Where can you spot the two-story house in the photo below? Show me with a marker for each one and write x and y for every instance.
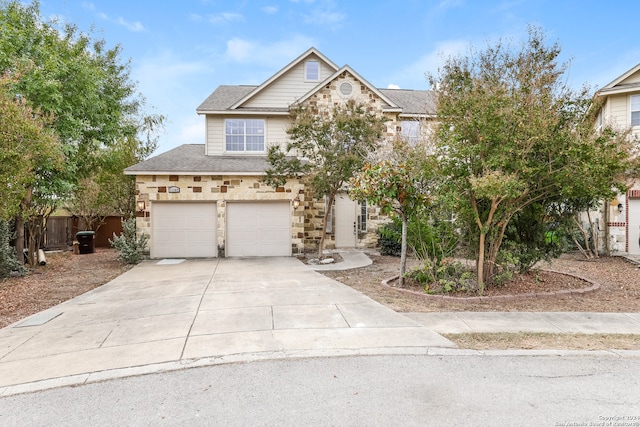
(621, 108)
(207, 200)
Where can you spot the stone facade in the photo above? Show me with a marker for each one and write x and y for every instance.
(218, 188)
(306, 220)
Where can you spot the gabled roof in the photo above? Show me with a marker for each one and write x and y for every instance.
(189, 159)
(392, 105)
(298, 60)
(228, 99)
(617, 86)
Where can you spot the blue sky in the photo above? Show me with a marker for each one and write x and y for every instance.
(181, 51)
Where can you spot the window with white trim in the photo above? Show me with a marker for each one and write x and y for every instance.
(312, 71)
(363, 216)
(244, 135)
(635, 110)
(410, 131)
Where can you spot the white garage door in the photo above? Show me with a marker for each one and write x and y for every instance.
(183, 230)
(258, 229)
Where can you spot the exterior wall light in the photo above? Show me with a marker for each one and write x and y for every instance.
(141, 205)
(620, 207)
(296, 203)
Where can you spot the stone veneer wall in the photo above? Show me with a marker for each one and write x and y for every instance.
(324, 101)
(219, 188)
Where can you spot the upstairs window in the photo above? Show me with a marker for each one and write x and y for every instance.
(635, 110)
(244, 135)
(312, 71)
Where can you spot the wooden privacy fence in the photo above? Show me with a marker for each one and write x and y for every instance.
(61, 232)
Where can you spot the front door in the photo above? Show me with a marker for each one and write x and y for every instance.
(345, 221)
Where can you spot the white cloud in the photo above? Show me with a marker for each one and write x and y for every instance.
(414, 74)
(136, 26)
(190, 130)
(225, 17)
(324, 17)
(270, 10)
(392, 86)
(88, 6)
(266, 54)
(195, 17)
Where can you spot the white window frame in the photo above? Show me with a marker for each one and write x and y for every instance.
(634, 107)
(308, 78)
(244, 135)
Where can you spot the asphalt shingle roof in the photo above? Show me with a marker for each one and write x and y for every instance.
(190, 158)
(411, 101)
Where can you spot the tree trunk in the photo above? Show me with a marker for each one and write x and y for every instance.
(480, 262)
(323, 235)
(25, 205)
(19, 239)
(403, 252)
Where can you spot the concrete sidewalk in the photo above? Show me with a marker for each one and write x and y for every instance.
(554, 323)
(175, 313)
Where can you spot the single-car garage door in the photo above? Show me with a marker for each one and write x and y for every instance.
(258, 229)
(183, 230)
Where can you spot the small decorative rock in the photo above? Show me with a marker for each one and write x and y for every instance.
(327, 261)
(313, 261)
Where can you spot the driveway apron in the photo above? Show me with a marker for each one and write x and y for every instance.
(174, 313)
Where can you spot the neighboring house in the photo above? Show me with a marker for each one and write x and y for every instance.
(621, 108)
(207, 200)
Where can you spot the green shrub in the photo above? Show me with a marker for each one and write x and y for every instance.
(8, 260)
(129, 246)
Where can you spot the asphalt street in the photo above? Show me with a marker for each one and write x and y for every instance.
(384, 390)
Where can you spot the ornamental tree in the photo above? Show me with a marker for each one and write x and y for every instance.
(512, 134)
(400, 185)
(328, 146)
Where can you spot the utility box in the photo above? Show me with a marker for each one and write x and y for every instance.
(85, 240)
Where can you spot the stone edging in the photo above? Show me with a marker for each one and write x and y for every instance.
(568, 292)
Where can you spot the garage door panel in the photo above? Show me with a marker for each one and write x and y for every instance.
(258, 229)
(184, 230)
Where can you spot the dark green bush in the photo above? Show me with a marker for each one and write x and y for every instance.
(390, 238)
(8, 261)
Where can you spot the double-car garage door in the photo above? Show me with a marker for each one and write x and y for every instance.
(189, 230)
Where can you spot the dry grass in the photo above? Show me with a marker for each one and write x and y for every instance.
(545, 341)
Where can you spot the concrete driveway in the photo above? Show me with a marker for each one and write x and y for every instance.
(165, 315)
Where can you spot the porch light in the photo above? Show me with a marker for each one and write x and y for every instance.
(620, 207)
(296, 203)
(141, 205)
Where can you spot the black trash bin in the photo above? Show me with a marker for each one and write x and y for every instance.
(85, 240)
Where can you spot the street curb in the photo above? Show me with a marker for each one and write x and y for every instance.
(120, 373)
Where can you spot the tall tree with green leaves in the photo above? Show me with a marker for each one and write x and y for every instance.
(512, 134)
(329, 147)
(83, 86)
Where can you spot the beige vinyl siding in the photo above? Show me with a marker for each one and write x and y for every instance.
(275, 130)
(619, 110)
(215, 135)
(634, 78)
(289, 87)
